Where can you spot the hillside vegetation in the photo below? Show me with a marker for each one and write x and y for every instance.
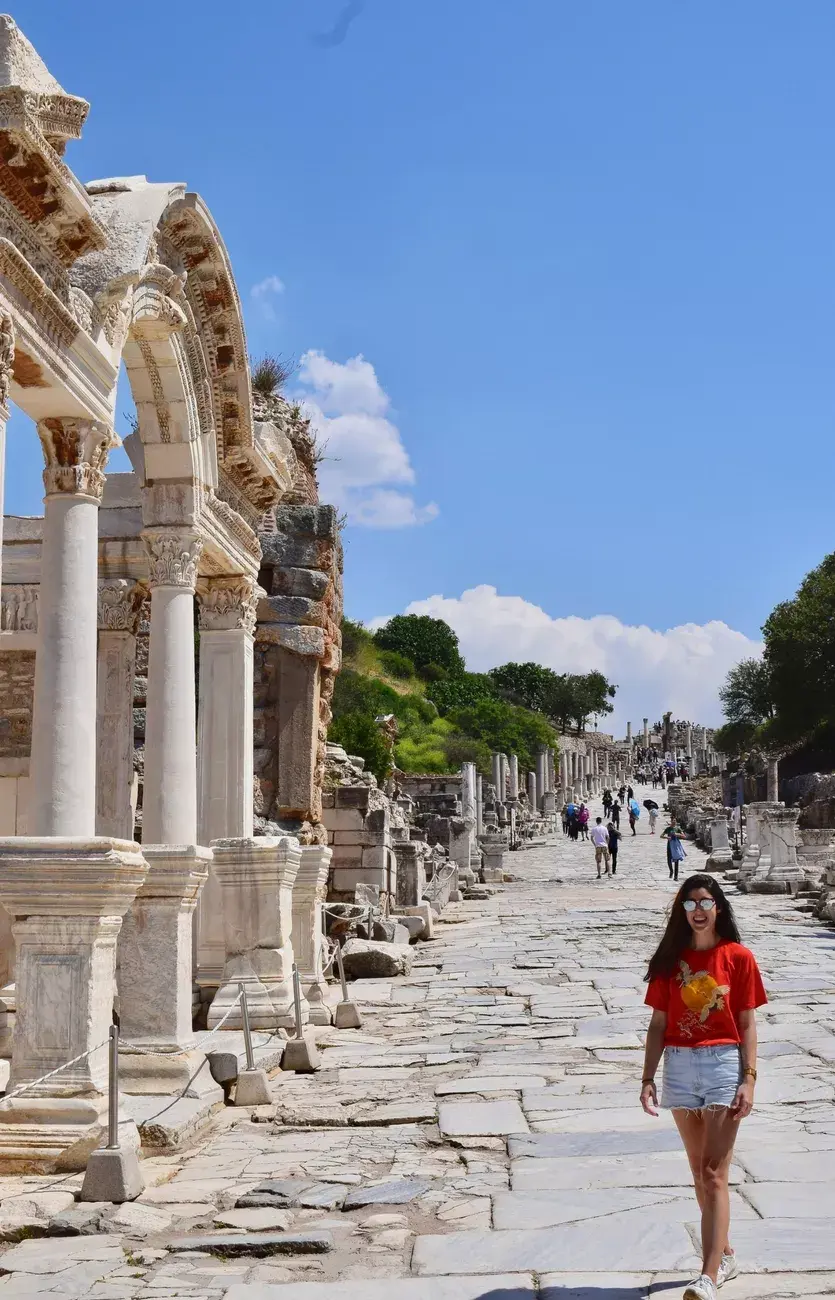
(413, 668)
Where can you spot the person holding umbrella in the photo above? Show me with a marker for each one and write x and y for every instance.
(634, 814)
(652, 808)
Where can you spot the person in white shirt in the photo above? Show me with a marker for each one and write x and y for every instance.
(600, 840)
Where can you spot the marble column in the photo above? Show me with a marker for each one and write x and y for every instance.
(541, 774)
(155, 950)
(65, 889)
(226, 616)
(479, 804)
(772, 779)
(646, 733)
(497, 775)
(532, 794)
(309, 893)
(629, 733)
(513, 777)
(119, 605)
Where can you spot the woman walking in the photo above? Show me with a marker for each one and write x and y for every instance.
(614, 843)
(675, 849)
(704, 988)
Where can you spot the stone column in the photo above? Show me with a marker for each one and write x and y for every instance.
(120, 602)
(479, 804)
(226, 614)
(532, 793)
(629, 733)
(155, 951)
(6, 362)
(62, 767)
(496, 776)
(646, 733)
(541, 774)
(772, 779)
(65, 890)
(309, 893)
(513, 775)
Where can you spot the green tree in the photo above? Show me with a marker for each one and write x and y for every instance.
(460, 690)
(422, 639)
(747, 695)
(800, 655)
(528, 684)
(505, 727)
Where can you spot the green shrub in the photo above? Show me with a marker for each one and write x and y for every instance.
(425, 640)
(460, 691)
(355, 638)
(396, 664)
(433, 673)
(359, 734)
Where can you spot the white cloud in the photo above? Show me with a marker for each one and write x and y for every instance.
(264, 292)
(680, 668)
(364, 454)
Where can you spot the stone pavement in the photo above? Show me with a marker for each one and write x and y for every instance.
(480, 1138)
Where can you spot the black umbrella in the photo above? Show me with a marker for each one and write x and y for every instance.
(650, 803)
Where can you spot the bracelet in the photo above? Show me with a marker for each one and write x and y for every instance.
(749, 1069)
(644, 1082)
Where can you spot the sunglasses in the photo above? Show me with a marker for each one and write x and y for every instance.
(706, 904)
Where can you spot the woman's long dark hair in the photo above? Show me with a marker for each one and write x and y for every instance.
(678, 936)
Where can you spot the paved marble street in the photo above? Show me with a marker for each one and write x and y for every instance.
(480, 1138)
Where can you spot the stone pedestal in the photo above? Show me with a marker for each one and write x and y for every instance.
(256, 877)
(721, 856)
(756, 854)
(784, 872)
(411, 873)
(155, 959)
(309, 893)
(66, 898)
(494, 848)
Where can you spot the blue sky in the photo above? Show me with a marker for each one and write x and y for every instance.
(585, 250)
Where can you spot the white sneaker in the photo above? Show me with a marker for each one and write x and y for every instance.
(702, 1289)
(727, 1269)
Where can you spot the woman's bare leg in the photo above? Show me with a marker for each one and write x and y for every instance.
(720, 1130)
(692, 1127)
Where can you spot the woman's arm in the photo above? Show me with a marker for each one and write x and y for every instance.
(652, 1055)
(743, 1102)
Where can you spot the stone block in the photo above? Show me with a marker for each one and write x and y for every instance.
(259, 1245)
(364, 959)
(424, 911)
(347, 1016)
(291, 609)
(253, 1089)
(399, 1192)
(301, 1055)
(112, 1174)
(292, 581)
(481, 1119)
(223, 1066)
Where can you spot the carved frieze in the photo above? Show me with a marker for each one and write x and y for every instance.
(228, 603)
(19, 609)
(173, 556)
(6, 357)
(76, 452)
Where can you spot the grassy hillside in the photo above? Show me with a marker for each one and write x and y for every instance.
(445, 715)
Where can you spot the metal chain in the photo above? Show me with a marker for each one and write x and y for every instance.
(24, 1087)
(186, 1051)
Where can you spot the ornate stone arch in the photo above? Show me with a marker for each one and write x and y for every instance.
(163, 297)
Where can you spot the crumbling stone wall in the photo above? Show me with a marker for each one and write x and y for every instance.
(297, 640)
(17, 686)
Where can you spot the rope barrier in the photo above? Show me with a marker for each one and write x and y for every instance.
(33, 1083)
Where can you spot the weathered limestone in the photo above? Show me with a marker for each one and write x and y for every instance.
(721, 856)
(756, 858)
(773, 779)
(257, 878)
(309, 892)
(784, 872)
(532, 794)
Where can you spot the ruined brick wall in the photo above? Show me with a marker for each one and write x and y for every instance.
(17, 686)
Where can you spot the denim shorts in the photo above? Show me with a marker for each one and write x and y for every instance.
(695, 1077)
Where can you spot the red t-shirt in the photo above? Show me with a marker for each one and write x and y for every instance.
(704, 997)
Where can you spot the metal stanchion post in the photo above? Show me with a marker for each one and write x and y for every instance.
(113, 1090)
(250, 1059)
(112, 1172)
(346, 1015)
(371, 922)
(252, 1087)
(301, 1053)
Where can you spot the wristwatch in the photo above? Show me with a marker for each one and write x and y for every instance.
(749, 1069)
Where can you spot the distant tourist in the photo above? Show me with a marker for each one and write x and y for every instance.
(600, 840)
(616, 812)
(634, 813)
(614, 843)
(675, 849)
(704, 989)
(583, 821)
(607, 800)
(653, 818)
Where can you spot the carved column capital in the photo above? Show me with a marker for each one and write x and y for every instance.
(120, 604)
(76, 452)
(228, 603)
(173, 556)
(6, 361)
